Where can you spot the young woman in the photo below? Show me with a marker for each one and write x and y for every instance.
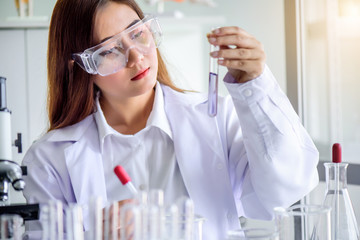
(111, 102)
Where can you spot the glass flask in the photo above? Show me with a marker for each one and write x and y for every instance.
(343, 221)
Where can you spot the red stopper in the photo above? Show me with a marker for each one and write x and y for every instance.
(336, 153)
(122, 174)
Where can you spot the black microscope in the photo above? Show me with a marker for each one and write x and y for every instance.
(11, 172)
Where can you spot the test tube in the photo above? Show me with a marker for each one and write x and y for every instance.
(52, 221)
(213, 83)
(186, 217)
(96, 218)
(157, 212)
(131, 225)
(74, 223)
(172, 222)
(114, 221)
(10, 227)
(125, 179)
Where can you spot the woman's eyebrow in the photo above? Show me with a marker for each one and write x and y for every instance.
(131, 24)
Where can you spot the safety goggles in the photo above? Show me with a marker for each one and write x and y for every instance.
(112, 55)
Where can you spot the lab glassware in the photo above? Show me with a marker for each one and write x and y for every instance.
(125, 179)
(74, 223)
(96, 219)
(252, 234)
(343, 221)
(52, 221)
(303, 222)
(11, 227)
(213, 83)
(190, 225)
(132, 225)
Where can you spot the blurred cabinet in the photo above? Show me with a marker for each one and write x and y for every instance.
(23, 63)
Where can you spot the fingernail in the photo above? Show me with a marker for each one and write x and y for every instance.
(214, 54)
(216, 30)
(212, 40)
(221, 62)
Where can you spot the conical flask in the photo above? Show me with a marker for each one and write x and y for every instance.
(343, 221)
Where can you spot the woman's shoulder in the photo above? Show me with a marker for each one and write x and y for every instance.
(58, 139)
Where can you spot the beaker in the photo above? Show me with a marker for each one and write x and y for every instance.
(179, 228)
(252, 234)
(303, 222)
(343, 221)
(10, 227)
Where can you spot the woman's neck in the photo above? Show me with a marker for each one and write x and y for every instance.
(128, 116)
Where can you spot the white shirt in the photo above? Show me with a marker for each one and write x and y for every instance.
(147, 156)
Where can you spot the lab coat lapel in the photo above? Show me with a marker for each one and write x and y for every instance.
(85, 166)
(200, 156)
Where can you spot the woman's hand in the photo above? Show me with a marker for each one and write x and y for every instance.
(115, 210)
(240, 52)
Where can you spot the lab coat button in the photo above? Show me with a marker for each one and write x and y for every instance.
(230, 216)
(219, 166)
(142, 187)
(247, 92)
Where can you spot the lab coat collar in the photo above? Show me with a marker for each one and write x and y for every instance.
(157, 118)
(71, 133)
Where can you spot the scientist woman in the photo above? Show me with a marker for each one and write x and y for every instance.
(111, 102)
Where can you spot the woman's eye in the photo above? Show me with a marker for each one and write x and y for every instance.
(136, 35)
(107, 52)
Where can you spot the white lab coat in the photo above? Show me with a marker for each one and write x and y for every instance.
(239, 163)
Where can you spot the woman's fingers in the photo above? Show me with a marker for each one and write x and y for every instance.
(240, 52)
(239, 41)
(252, 68)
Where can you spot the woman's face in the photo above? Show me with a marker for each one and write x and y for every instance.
(139, 75)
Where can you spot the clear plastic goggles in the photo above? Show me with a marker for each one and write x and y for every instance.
(112, 55)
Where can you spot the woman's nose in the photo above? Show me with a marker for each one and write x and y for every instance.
(134, 56)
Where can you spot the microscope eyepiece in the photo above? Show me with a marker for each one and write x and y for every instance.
(3, 104)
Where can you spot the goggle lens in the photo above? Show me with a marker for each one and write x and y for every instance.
(111, 56)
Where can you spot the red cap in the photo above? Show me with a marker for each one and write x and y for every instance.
(122, 174)
(336, 153)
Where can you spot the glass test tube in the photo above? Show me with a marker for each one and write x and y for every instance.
(10, 227)
(213, 83)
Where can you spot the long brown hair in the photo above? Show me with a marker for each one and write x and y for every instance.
(71, 92)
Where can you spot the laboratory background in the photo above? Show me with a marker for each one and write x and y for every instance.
(312, 49)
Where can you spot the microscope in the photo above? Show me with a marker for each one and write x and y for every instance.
(11, 172)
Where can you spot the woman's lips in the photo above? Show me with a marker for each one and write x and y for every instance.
(141, 74)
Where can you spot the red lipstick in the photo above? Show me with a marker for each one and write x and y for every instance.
(141, 74)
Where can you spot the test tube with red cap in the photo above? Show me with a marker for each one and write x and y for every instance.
(125, 179)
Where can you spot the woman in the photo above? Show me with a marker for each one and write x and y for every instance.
(111, 102)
